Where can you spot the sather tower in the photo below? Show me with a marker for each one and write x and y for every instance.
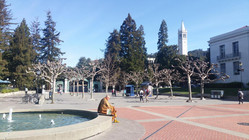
(182, 40)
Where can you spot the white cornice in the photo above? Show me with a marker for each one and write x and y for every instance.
(238, 32)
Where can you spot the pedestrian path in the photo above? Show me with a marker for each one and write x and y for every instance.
(161, 119)
(212, 122)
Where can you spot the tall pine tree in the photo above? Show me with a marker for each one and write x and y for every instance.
(162, 35)
(36, 38)
(50, 41)
(5, 35)
(22, 56)
(113, 46)
(166, 56)
(132, 52)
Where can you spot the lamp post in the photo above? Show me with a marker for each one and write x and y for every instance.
(241, 70)
(37, 80)
(14, 83)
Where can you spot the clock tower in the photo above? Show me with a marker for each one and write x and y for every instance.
(182, 40)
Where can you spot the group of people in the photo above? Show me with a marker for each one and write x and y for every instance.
(106, 108)
(142, 93)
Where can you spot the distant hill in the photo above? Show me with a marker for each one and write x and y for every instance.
(200, 54)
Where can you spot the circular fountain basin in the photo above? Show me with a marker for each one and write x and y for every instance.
(68, 124)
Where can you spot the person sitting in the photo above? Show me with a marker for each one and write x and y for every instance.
(104, 107)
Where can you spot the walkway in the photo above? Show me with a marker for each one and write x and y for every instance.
(165, 118)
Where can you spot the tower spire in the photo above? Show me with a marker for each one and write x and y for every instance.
(183, 27)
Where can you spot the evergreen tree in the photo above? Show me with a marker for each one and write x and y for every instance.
(113, 46)
(50, 41)
(162, 35)
(166, 56)
(21, 57)
(5, 35)
(141, 49)
(132, 50)
(36, 37)
(83, 62)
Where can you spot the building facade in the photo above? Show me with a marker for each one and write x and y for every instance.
(231, 52)
(182, 40)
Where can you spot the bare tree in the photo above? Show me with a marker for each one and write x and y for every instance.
(137, 78)
(70, 76)
(169, 76)
(49, 71)
(204, 70)
(155, 76)
(123, 78)
(188, 68)
(110, 72)
(81, 74)
(94, 69)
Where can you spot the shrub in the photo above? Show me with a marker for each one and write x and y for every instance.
(6, 90)
(224, 85)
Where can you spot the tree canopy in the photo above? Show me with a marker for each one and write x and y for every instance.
(21, 56)
(162, 35)
(50, 41)
(133, 51)
(5, 35)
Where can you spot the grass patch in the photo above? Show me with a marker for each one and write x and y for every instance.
(6, 90)
(184, 91)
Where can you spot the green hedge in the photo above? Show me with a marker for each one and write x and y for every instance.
(5, 90)
(224, 85)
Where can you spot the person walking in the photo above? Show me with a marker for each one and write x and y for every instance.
(240, 96)
(141, 94)
(147, 92)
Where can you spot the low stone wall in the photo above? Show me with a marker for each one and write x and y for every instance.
(14, 93)
(72, 132)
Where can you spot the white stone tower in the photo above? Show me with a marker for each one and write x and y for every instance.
(182, 40)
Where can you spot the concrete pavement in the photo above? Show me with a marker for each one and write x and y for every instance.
(164, 118)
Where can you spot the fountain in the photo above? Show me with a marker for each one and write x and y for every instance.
(10, 115)
(4, 116)
(52, 124)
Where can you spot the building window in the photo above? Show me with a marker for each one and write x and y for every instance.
(236, 67)
(180, 35)
(236, 48)
(222, 51)
(184, 35)
(223, 67)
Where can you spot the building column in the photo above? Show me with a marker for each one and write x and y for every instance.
(65, 86)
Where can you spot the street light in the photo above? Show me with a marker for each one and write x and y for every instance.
(241, 70)
(38, 73)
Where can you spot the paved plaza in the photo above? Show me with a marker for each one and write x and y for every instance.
(164, 118)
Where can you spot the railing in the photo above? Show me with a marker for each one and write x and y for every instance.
(229, 57)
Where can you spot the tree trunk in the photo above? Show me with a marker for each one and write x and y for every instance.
(189, 89)
(106, 88)
(54, 83)
(157, 90)
(77, 88)
(202, 90)
(73, 87)
(91, 86)
(171, 91)
(83, 89)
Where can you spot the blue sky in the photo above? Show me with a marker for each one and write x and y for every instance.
(85, 25)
